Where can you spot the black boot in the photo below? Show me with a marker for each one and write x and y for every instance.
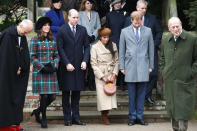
(44, 120)
(36, 112)
(44, 123)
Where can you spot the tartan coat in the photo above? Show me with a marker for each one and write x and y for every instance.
(178, 66)
(42, 52)
(74, 50)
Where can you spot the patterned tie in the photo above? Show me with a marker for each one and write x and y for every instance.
(137, 35)
(74, 31)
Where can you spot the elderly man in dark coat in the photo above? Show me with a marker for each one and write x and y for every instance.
(14, 74)
(74, 51)
(179, 69)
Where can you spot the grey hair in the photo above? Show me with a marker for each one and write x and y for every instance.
(142, 1)
(72, 11)
(172, 19)
(26, 22)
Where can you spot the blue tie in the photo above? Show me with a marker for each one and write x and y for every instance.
(137, 35)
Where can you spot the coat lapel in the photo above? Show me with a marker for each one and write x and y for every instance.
(77, 32)
(132, 33)
(146, 20)
(69, 31)
(141, 34)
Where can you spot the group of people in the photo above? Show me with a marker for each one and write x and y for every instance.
(64, 50)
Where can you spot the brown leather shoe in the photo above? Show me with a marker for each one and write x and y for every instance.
(104, 117)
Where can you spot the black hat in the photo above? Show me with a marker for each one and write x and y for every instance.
(55, 1)
(41, 21)
(91, 1)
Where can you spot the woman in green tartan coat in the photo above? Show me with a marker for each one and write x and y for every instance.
(44, 57)
(178, 64)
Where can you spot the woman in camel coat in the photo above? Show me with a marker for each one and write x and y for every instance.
(104, 61)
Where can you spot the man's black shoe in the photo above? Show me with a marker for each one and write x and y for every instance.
(132, 122)
(67, 123)
(78, 122)
(142, 122)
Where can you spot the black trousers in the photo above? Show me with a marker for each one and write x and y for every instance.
(71, 105)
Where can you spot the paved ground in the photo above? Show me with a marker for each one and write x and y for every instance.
(166, 126)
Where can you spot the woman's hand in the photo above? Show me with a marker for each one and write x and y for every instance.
(105, 79)
(113, 78)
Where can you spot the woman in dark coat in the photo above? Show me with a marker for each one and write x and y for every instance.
(56, 15)
(44, 57)
(115, 21)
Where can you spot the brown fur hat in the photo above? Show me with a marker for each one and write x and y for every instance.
(104, 32)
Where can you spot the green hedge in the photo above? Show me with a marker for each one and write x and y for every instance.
(191, 14)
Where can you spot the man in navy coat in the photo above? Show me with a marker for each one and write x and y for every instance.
(74, 51)
(150, 21)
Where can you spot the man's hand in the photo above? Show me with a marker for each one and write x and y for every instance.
(123, 71)
(150, 70)
(83, 65)
(70, 67)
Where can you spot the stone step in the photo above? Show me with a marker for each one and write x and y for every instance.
(122, 105)
(115, 116)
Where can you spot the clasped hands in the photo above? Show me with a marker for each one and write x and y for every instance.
(71, 68)
(112, 78)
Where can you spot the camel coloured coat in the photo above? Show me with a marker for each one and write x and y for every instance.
(104, 64)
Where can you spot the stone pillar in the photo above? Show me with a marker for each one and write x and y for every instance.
(30, 6)
(169, 10)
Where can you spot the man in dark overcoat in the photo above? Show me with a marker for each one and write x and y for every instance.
(178, 63)
(74, 51)
(14, 73)
(150, 21)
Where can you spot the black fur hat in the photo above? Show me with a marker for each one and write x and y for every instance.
(55, 1)
(41, 21)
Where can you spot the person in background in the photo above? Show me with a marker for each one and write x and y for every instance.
(136, 58)
(178, 66)
(74, 50)
(44, 58)
(115, 21)
(104, 61)
(91, 21)
(57, 16)
(14, 74)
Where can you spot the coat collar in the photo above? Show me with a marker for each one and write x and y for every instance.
(71, 33)
(182, 36)
(141, 33)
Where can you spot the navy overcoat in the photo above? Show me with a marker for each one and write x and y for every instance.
(74, 50)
